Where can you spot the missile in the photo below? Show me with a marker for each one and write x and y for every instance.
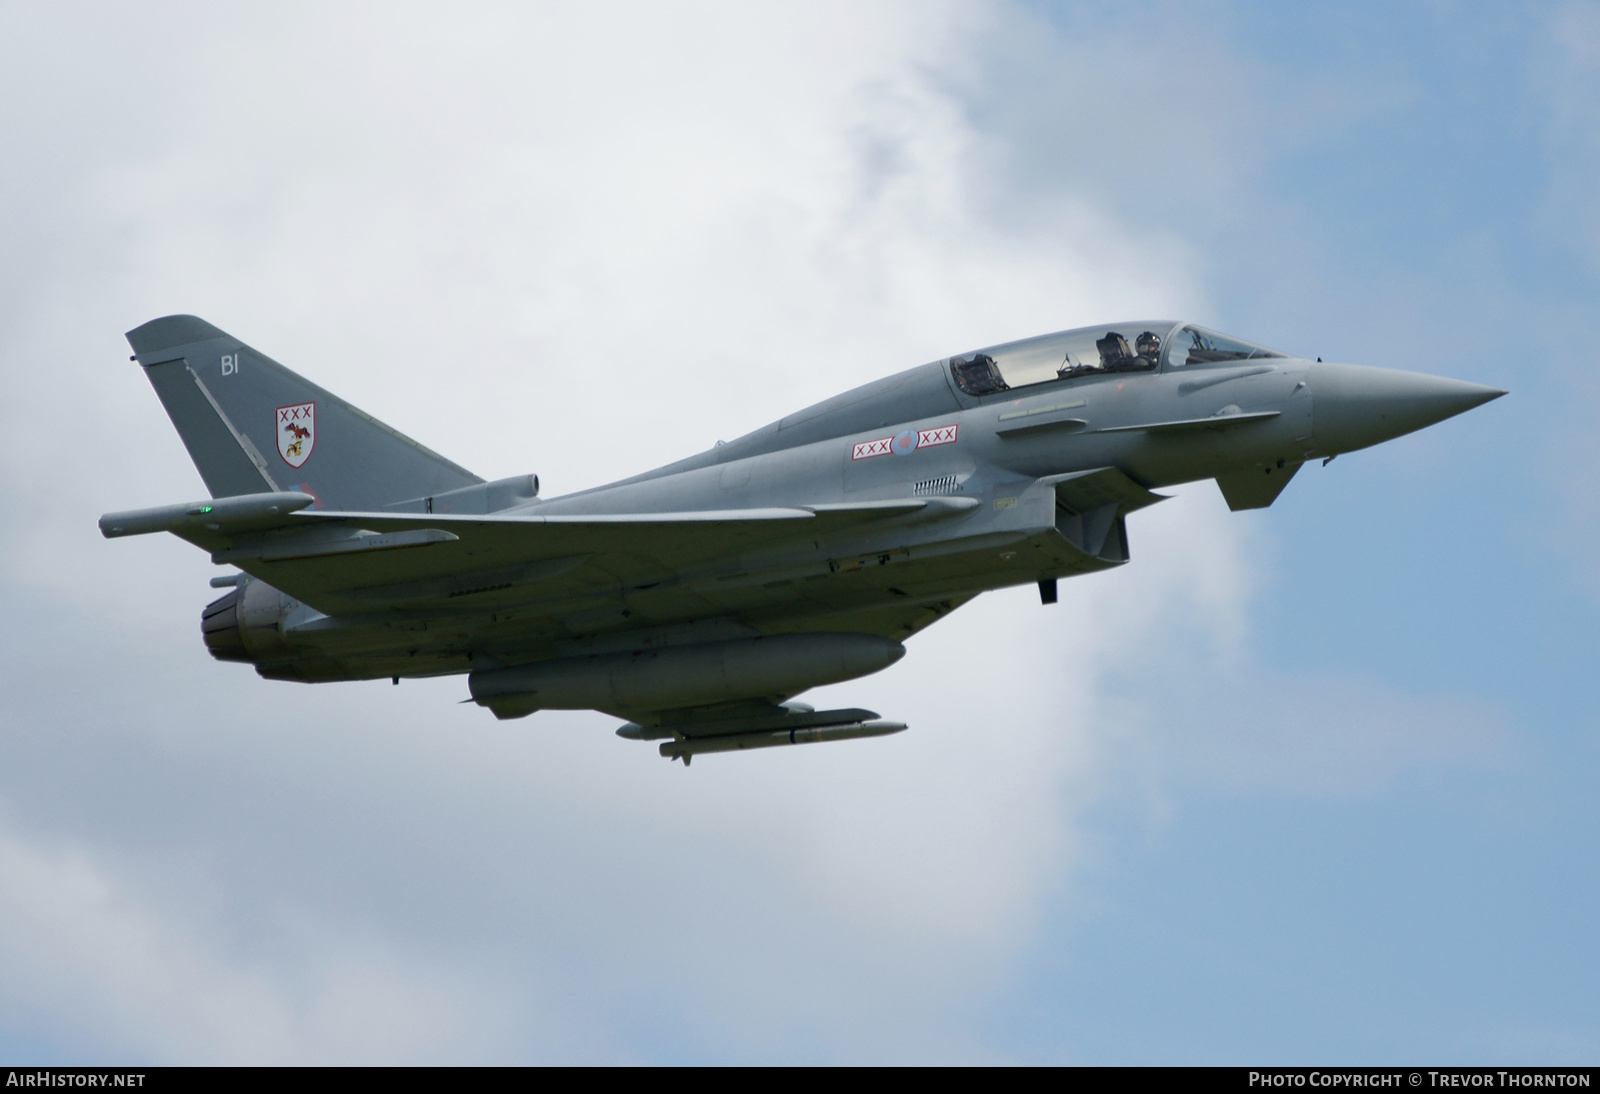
(733, 742)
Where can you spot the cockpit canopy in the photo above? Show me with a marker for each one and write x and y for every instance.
(1198, 346)
(1096, 351)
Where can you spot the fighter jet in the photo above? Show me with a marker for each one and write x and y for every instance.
(697, 600)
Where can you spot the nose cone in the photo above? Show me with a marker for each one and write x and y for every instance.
(1354, 406)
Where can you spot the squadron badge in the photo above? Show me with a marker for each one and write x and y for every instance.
(297, 432)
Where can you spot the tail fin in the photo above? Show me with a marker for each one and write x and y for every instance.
(251, 425)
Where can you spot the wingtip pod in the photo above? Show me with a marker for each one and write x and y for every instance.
(223, 515)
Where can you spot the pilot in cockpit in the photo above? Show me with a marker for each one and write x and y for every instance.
(1148, 346)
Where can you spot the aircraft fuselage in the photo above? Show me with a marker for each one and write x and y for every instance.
(847, 526)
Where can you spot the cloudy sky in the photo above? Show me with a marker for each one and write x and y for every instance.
(1310, 784)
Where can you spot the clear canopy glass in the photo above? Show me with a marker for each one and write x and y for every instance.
(1119, 347)
(1138, 346)
(1198, 346)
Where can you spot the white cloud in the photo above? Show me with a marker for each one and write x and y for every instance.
(87, 960)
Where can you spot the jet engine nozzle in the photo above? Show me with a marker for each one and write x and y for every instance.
(1355, 406)
(245, 625)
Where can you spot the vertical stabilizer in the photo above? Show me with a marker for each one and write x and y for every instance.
(251, 425)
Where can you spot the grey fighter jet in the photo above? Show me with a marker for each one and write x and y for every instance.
(695, 601)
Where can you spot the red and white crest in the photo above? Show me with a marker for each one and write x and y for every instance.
(297, 432)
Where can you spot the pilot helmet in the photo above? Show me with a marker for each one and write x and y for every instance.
(1148, 345)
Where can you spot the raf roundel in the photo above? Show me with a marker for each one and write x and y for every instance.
(297, 432)
(906, 442)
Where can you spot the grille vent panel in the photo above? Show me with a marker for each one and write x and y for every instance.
(945, 484)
